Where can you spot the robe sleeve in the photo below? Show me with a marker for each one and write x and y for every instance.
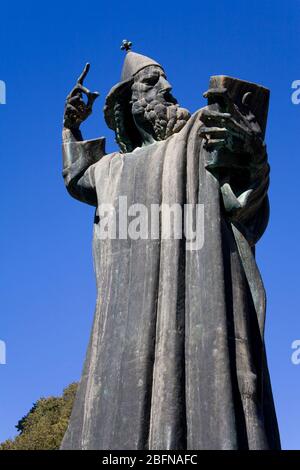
(79, 159)
(251, 211)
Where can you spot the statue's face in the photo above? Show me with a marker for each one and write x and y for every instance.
(151, 84)
(155, 111)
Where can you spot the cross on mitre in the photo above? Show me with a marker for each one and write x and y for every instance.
(126, 45)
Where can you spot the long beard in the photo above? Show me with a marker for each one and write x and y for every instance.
(161, 117)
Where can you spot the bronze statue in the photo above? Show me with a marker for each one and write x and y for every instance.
(176, 358)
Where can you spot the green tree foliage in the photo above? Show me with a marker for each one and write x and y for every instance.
(44, 426)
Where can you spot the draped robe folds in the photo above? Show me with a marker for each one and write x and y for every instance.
(176, 358)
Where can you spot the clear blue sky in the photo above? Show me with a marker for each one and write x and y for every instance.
(47, 284)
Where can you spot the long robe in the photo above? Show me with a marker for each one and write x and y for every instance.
(176, 357)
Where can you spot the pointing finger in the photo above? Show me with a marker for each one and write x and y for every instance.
(83, 74)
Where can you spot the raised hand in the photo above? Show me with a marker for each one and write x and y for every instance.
(76, 109)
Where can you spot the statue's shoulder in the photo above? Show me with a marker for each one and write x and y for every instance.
(109, 156)
(106, 159)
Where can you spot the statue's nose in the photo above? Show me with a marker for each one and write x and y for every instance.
(165, 85)
(165, 91)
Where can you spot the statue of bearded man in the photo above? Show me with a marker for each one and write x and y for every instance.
(176, 358)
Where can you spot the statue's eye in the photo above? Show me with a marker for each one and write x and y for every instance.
(150, 81)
